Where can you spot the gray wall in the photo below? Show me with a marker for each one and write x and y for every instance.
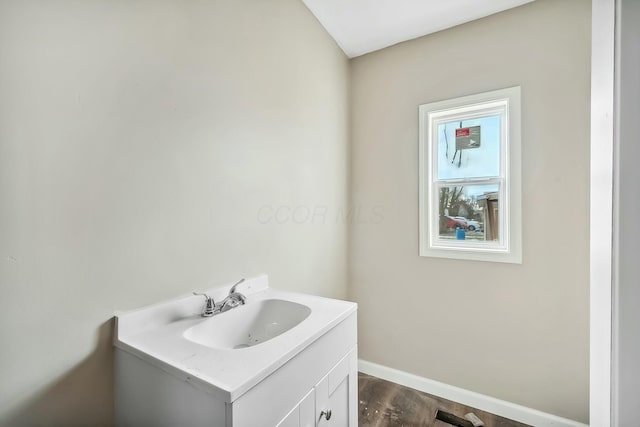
(515, 332)
(626, 378)
(144, 148)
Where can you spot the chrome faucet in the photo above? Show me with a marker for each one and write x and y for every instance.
(233, 300)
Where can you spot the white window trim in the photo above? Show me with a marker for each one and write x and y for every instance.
(509, 250)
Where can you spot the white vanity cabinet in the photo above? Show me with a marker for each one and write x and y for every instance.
(335, 392)
(293, 380)
(323, 377)
(331, 402)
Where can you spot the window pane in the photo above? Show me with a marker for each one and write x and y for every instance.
(469, 148)
(469, 212)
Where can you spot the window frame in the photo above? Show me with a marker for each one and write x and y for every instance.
(508, 248)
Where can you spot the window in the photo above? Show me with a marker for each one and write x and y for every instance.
(470, 201)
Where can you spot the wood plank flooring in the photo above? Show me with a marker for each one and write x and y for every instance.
(386, 404)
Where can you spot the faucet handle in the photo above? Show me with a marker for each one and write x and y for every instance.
(233, 288)
(210, 306)
(204, 295)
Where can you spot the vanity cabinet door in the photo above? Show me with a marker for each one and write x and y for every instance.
(308, 410)
(337, 395)
(291, 420)
(302, 415)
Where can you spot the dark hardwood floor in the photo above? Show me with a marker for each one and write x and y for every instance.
(383, 403)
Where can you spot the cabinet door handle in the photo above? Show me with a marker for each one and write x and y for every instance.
(326, 414)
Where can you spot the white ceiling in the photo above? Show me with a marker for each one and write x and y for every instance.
(362, 26)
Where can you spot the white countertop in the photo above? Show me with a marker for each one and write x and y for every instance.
(155, 334)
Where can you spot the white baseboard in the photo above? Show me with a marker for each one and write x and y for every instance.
(499, 407)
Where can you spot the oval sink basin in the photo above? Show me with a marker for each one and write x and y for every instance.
(248, 325)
